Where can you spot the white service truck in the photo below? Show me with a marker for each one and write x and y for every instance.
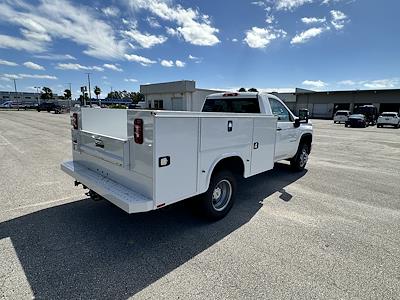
(142, 160)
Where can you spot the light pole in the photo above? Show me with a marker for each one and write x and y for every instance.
(16, 94)
(37, 92)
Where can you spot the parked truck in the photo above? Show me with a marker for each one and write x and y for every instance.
(142, 160)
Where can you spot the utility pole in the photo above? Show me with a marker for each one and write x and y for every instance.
(37, 92)
(16, 94)
(90, 92)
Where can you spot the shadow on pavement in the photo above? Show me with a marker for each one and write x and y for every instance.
(89, 249)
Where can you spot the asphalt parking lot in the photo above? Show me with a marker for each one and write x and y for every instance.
(332, 231)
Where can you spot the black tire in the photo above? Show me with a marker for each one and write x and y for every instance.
(299, 161)
(219, 198)
(345, 125)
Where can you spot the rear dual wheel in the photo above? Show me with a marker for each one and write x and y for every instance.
(218, 200)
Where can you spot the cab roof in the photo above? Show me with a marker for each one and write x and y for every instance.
(233, 95)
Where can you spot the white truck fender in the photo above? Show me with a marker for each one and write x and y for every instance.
(217, 160)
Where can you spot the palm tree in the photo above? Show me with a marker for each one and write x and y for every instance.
(97, 91)
(46, 93)
(67, 94)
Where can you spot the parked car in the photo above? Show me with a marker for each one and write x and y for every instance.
(341, 116)
(51, 106)
(150, 159)
(357, 120)
(389, 118)
(369, 111)
(7, 104)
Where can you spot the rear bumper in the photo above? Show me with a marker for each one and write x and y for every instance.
(123, 197)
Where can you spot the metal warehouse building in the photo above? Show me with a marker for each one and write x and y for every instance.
(325, 104)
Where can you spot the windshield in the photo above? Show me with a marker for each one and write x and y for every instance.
(388, 115)
(357, 116)
(239, 105)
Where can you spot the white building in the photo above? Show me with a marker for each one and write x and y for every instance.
(21, 97)
(176, 95)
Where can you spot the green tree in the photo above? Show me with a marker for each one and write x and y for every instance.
(242, 90)
(253, 90)
(97, 91)
(67, 94)
(46, 93)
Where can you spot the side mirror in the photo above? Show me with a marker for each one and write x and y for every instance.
(296, 122)
(303, 115)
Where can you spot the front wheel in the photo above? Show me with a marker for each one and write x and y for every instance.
(299, 161)
(218, 200)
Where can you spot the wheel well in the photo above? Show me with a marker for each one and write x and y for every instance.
(307, 139)
(234, 164)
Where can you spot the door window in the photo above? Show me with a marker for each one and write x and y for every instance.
(280, 111)
(158, 104)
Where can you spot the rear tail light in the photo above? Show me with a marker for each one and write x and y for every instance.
(74, 120)
(138, 131)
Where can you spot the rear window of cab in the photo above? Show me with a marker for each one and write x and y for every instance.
(229, 105)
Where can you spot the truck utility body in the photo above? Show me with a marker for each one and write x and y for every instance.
(142, 160)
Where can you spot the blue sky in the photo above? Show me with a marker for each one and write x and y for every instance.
(269, 44)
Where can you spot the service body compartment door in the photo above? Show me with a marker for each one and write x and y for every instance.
(113, 150)
(263, 148)
(175, 158)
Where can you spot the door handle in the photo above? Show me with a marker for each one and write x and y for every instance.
(278, 129)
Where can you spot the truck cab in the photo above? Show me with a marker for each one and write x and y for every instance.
(290, 129)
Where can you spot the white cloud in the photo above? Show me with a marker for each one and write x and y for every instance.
(7, 41)
(290, 4)
(258, 3)
(60, 19)
(110, 11)
(196, 59)
(270, 19)
(235, 40)
(194, 27)
(167, 63)
(153, 22)
(52, 56)
(145, 40)
(180, 64)
(262, 37)
(347, 82)
(314, 83)
(339, 19)
(21, 76)
(72, 66)
(172, 31)
(32, 65)
(305, 36)
(328, 2)
(130, 80)
(112, 67)
(144, 61)
(382, 83)
(8, 63)
(311, 20)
